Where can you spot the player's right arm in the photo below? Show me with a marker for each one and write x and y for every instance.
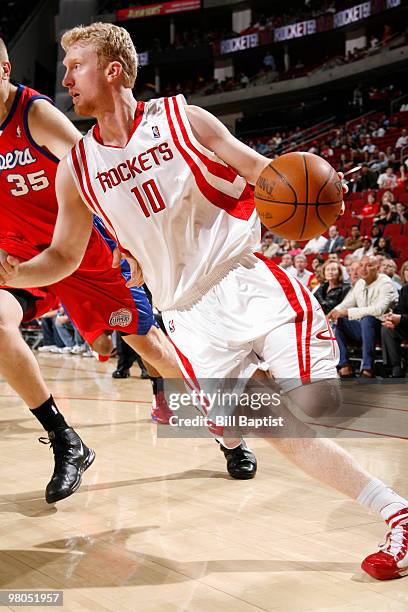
(71, 235)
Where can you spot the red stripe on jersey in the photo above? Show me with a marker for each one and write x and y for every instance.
(216, 430)
(309, 322)
(293, 299)
(217, 169)
(241, 208)
(137, 119)
(79, 177)
(99, 210)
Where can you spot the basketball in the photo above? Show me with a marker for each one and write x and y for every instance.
(298, 196)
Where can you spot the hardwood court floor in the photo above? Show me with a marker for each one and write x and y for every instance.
(158, 524)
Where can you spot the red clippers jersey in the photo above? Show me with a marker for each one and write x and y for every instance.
(28, 208)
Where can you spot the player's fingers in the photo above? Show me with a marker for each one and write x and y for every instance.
(116, 258)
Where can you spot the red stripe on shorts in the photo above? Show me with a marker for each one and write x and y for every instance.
(289, 290)
(217, 431)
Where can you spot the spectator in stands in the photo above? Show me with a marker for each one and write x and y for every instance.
(385, 216)
(388, 179)
(384, 247)
(402, 140)
(284, 247)
(353, 272)
(376, 233)
(52, 342)
(390, 155)
(269, 62)
(333, 290)
(269, 248)
(395, 329)
(287, 264)
(404, 273)
(316, 262)
(303, 275)
(387, 198)
(295, 249)
(314, 245)
(354, 241)
(366, 249)
(389, 267)
(402, 176)
(370, 209)
(401, 213)
(334, 243)
(358, 316)
(369, 146)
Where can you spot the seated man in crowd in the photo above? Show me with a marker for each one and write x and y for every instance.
(389, 267)
(395, 329)
(303, 275)
(354, 241)
(287, 264)
(269, 248)
(334, 243)
(314, 245)
(358, 316)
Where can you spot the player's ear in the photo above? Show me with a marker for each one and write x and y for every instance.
(113, 70)
(5, 70)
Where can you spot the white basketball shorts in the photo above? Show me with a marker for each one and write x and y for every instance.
(258, 316)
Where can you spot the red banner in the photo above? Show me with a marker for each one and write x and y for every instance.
(154, 10)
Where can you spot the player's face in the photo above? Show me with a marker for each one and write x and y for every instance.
(84, 78)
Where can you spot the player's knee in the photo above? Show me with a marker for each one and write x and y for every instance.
(318, 400)
(103, 344)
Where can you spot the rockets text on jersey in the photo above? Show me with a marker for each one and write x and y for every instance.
(186, 216)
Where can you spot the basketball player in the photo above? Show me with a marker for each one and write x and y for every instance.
(154, 173)
(34, 136)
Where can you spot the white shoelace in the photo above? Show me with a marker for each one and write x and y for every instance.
(394, 541)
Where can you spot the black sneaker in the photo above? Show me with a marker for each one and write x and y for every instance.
(121, 374)
(71, 459)
(241, 462)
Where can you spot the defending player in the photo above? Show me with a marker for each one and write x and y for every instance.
(34, 136)
(155, 175)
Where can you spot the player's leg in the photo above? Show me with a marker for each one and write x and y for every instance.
(321, 458)
(20, 369)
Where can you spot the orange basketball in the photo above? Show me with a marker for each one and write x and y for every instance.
(298, 196)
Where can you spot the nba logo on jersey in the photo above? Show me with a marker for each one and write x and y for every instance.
(18, 131)
(155, 131)
(171, 326)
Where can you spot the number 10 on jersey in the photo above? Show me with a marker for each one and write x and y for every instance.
(151, 200)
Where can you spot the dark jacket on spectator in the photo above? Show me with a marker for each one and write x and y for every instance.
(367, 181)
(402, 309)
(330, 299)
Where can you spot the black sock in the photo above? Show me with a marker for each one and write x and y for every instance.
(157, 384)
(49, 416)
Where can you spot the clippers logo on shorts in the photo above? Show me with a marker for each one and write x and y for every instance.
(171, 326)
(121, 318)
(156, 132)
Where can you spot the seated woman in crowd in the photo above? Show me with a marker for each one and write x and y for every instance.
(401, 212)
(404, 273)
(384, 247)
(295, 249)
(385, 216)
(333, 290)
(376, 233)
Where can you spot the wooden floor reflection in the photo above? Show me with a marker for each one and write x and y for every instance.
(159, 525)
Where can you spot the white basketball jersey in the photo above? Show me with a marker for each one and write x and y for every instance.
(186, 216)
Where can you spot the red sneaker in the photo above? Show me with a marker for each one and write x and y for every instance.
(391, 561)
(161, 413)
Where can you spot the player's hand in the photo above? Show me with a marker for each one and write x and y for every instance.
(136, 275)
(345, 190)
(8, 267)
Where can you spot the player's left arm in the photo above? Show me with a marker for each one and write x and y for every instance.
(51, 129)
(213, 135)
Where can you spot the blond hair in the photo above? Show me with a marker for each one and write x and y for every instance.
(111, 43)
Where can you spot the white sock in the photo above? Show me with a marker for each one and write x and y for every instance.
(242, 443)
(376, 496)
